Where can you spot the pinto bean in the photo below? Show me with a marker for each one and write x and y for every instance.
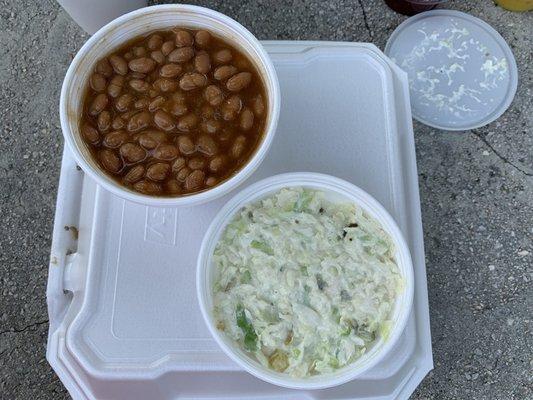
(142, 103)
(224, 72)
(217, 163)
(156, 103)
(154, 42)
(136, 75)
(118, 123)
(196, 163)
(104, 121)
(110, 161)
(103, 67)
(167, 47)
(213, 95)
(124, 102)
(231, 107)
(178, 109)
(183, 174)
(158, 171)
(139, 51)
(132, 152)
(89, 133)
(115, 139)
(202, 63)
(143, 65)
(222, 56)
(258, 105)
(127, 115)
(183, 39)
(211, 181)
(165, 85)
(192, 80)
(187, 122)
(178, 164)
(158, 56)
(246, 119)
(164, 120)
(151, 139)
(210, 126)
(139, 85)
(147, 187)
(98, 104)
(119, 64)
(172, 186)
(166, 152)
(186, 145)
(170, 70)
(115, 86)
(206, 145)
(195, 180)
(181, 55)
(202, 38)
(97, 82)
(238, 146)
(139, 121)
(134, 174)
(239, 81)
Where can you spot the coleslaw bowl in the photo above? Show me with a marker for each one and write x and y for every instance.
(335, 190)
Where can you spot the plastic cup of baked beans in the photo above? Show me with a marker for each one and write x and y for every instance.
(141, 23)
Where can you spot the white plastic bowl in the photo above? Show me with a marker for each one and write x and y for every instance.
(141, 22)
(336, 190)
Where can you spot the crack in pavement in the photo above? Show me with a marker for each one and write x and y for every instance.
(25, 328)
(365, 19)
(501, 157)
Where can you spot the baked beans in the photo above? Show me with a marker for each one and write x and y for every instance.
(174, 112)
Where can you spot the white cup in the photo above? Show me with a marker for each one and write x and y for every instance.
(91, 15)
(336, 190)
(141, 22)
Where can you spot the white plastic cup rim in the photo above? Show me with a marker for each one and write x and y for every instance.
(157, 18)
(339, 189)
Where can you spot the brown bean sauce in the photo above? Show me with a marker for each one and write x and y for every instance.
(174, 112)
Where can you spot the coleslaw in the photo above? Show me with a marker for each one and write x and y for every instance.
(304, 285)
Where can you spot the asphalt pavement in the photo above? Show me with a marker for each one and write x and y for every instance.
(476, 189)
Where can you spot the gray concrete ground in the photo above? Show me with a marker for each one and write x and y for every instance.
(476, 189)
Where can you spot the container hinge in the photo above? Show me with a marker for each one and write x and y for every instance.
(72, 279)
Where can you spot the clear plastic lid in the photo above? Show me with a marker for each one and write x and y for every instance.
(462, 74)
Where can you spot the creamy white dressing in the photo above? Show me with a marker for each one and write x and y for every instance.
(305, 286)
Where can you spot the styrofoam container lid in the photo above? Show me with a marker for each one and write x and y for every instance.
(336, 190)
(462, 74)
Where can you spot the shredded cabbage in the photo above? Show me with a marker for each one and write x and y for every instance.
(304, 285)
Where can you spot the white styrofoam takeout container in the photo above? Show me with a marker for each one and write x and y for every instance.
(336, 190)
(124, 318)
(142, 22)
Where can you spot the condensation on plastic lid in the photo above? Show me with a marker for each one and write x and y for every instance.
(462, 74)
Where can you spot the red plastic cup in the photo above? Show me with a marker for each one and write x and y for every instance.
(412, 7)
